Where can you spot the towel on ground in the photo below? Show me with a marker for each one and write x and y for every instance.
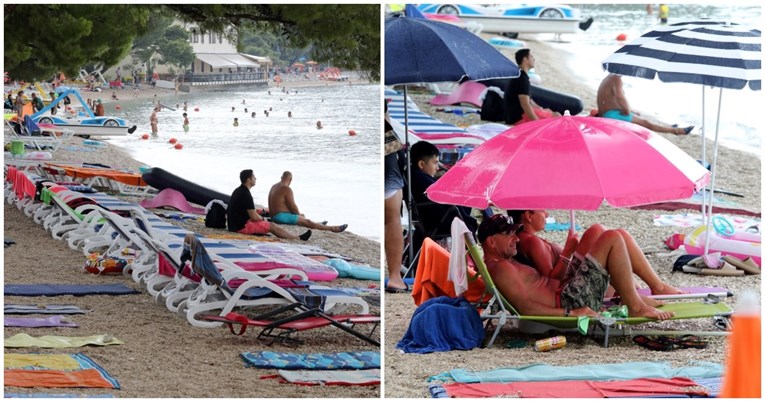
(55, 371)
(38, 322)
(614, 371)
(23, 340)
(312, 361)
(442, 324)
(42, 309)
(326, 377)
(43, 289)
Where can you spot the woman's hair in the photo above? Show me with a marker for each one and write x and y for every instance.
(516, 214)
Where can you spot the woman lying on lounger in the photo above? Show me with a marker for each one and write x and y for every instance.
(551, 259)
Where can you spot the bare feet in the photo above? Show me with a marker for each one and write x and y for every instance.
(665, 289)
(651, 301)
(650, 312)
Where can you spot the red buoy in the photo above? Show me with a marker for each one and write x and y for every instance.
(178, 146)
(351, 132)
(196, 109)
(621, 37)
(172, 141)
(118, 107)
(145, 137)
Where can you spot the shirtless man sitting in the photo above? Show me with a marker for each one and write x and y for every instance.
(282, 207)
(613, 104)
(581, 293)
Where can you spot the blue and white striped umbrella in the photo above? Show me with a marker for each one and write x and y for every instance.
(709, 53)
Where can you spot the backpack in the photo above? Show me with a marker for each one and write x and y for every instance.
(493, 107)
(216, 214)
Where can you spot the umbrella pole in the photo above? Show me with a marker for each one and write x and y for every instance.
(714, 169)
(703, 153)
(572, 228)
(409, 236)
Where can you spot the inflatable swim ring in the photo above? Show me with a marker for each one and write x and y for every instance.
(741, 244)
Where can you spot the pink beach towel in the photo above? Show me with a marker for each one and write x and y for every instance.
(468, 92)
(173, 199)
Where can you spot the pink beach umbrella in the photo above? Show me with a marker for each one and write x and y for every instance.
(573, 163)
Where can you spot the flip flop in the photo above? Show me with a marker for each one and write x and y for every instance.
(748, 265)
(654, 344)
(397, 290)
(692, 341)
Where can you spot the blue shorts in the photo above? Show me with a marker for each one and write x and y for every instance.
(393, 179)
(617, 114)
(285, 218)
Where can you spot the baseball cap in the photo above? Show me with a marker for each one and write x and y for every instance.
(496, 224)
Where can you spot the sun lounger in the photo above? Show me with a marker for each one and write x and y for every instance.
(500, 309)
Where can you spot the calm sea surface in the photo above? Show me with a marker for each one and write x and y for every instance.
(337, 177)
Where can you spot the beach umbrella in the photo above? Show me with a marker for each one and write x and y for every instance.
(420, 50)
(708, 53)
(573, 163)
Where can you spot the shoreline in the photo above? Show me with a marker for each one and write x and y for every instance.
(407, 374)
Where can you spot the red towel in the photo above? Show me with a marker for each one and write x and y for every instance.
(432, 280)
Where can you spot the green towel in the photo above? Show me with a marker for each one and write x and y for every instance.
(23, 340)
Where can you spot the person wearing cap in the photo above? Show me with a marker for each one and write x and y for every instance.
(99, 108)
(581, 291)
(552, 260)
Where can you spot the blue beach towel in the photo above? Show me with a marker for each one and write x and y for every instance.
(594, 372)
(62, 289)
(442, 324)
(312, 361)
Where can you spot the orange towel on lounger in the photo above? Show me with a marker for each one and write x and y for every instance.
(431, 279)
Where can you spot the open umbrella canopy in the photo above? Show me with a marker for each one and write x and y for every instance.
(420, 50)
(571, 162)
(709, 53)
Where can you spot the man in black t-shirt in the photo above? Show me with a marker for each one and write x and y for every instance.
(241, 216)
(518, 103)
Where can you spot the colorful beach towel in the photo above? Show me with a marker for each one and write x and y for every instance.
(55, 371)
(23, 340)
(325, 377)
(312, 361)
(38, 322)
(315, 270)
(65, 289)
(694, 220)
(42, 395)
(579, 389)
(594, 372)
(42, 309)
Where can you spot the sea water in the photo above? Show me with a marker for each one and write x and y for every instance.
(336, 176)
(740, 124)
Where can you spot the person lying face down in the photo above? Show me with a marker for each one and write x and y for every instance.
(552, 260)
(584, 286)
(424, 156)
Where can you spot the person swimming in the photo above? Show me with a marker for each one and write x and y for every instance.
(289, 114)
(236, 122)
(253, 114)
(318, 125)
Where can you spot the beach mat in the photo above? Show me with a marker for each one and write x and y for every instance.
(326, 377)
(38, 322)
(42, 309)
(42, 289)
(23, 340)
(579, 389)
(42, 395)
(689, 220)
(55, 371)
(312, 361)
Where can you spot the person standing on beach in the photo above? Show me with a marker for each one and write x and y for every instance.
(518, 103)
(19, 104)
(185, 123)
(612, 104)
(282, 207)
(37, 102)
(52, 100)
(394, 239)
(154, 121)
(663, 13)
(242, 218)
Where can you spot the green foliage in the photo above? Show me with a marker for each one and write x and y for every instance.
(44, 39)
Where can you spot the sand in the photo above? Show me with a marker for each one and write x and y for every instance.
(406, 374)
(163, 356)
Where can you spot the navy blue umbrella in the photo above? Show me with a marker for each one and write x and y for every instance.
(420, 50)
(412, 11)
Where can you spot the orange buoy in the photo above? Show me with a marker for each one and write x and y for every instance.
(196, 109)
(172, 141)
(621, 37)
(145, 137)
(351, 132)
(178, 146)
(118, 107)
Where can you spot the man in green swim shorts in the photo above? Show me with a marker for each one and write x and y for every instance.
(612, 104)
(282, 207)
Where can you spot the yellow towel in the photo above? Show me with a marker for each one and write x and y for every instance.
(23, 340)
(53, 362)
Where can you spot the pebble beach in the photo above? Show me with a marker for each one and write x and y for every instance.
(406, 374)
(163, 356)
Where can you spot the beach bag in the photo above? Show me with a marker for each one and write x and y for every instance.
(216, 214)
(100, 264)
(493, 107)
(392, 143)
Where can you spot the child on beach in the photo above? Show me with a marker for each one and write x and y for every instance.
(185, 123)
(236, 122)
